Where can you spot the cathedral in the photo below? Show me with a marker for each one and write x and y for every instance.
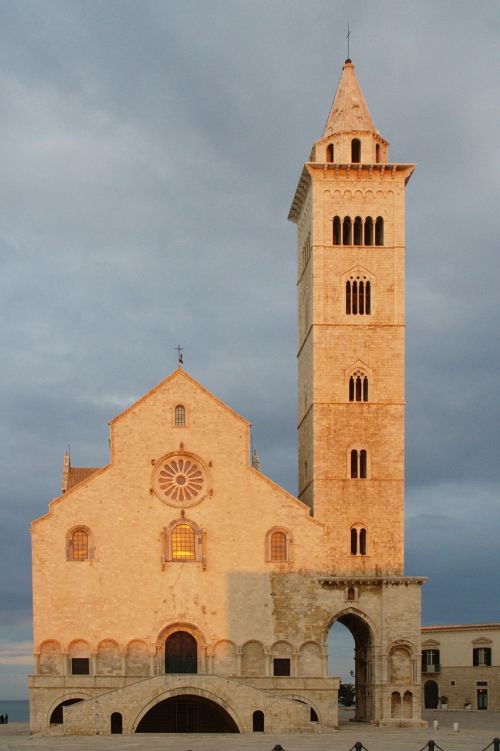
(179, 589)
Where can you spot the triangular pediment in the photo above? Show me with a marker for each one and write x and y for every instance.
(481, 640)
(429, 643)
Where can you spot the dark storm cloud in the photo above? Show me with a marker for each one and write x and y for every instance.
(149, 155)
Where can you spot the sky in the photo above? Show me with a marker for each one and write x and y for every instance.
(149, 154)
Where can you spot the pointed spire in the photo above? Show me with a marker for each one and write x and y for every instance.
(349, 110)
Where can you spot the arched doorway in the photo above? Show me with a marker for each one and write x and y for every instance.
(187, 714)
(116, 723)
(181, 653)
(362, 673)
(431, 695)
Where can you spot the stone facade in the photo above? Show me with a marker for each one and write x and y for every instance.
(180, 576)
(461, 663)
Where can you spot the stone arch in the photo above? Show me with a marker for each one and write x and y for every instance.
(400, 662)
(191, 691)
(189, 628)
(225, 658)
(396, 707)
(50, 658)
(407, 705)
(79, 654)
(310, 659)
(108, 658)
(253, 661)
(137, 659)
(363, 633)
(314, 707)
(62, 701)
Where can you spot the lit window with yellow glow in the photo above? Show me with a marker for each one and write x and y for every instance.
(183, 543)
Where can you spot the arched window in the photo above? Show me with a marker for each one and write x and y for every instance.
(351, 592)
(278, 545)
(358, 387)
(183, 543)
(180, 415)
(78, 546)
(358, 231)
(336, 230)
(379, 231)
(359, 461)
(347, 231)
(329, 152)
(358, 547)
(355, 150)
(116, 723)
(358, 296)
(258, 721)
(368, 231)
(183, 540)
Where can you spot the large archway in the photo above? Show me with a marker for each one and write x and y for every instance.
(363, 663)
(187, 713)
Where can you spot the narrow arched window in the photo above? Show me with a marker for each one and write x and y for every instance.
(358, 231)
(183, 543)
(359, 464)
(355, 150)
(347, 231)
(358, 296)
(329, 152)
(362, 541)
(377, 153)
(351, 592)
(379, 231)
(180, 415)
(358, 387)
(354, 463)
(258, 721)
(79, 545)
(278, 546)
(368, 231)
(362, 464)
(336, 230)
(354, 541)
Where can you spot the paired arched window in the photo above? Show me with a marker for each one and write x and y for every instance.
(359, 231)
(180, 415)
(358, 387)
(78, 544)
(278, 545)
(359, 464)
(355, 150)
(358, 542)
(358, 295)
(183, 542)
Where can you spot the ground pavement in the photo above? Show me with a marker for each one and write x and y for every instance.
(477, 730)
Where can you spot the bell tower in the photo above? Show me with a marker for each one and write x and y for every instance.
(349, 211)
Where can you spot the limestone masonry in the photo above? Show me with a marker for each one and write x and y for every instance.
(178, 588)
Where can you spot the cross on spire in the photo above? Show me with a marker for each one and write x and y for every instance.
(348, 40)
(179, 354)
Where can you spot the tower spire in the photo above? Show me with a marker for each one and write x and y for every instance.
(349, 111)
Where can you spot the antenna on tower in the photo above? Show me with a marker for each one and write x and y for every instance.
(348, 37)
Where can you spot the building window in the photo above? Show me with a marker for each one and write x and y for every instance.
(183, 543)
(329, 152)
(347, 231)
(358, 231)
(80, 666)
(359, 464)
(358, 387)
(379, 231)
(358, 296)
(355, 150)
(430, 661)
(258, 721)
(377, 153)
(336, 230)
(180, 415)
(368, 231)
(481, 656)
(278, 545)
(78, 546)
(281, 666)
(358, 541)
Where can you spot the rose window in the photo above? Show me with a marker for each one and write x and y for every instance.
(180, 479)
